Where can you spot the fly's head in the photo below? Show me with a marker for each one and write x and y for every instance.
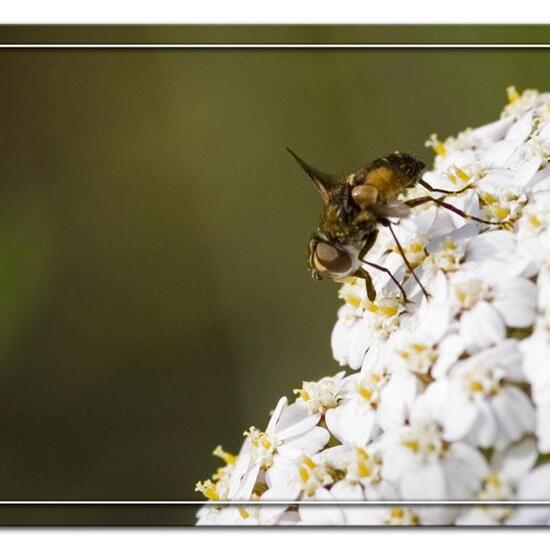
(334, 247)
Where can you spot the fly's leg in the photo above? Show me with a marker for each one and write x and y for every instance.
(392, 277)
(371, 239)
(369, 242)
(422, 200)
(365, 275)
(427, 186)
(385, 222)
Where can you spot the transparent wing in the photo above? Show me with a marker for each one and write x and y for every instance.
(392, 209)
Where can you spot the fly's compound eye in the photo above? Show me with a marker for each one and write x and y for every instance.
(331, 259)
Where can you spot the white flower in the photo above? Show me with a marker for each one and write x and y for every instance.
(292, 431)
(536, 365)
(519, 104)
(229, 515)
(452, 400)
(347, 336)
(362, 466)
(533, 232)
(290, 478)
(354, 421)
(506, 477)
(363, 324)
(446, 252)
(534, 486)
(415, 232)
(322, 395)
(219, 487)
(424, 465)
(480, 401)
(428, 345)
(489, 303)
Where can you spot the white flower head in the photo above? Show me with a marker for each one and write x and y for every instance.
(322, 395)
(480, 400)
(488, 301)
(450, 398)
(427, 466)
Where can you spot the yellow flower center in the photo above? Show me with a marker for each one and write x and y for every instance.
(399, 516)
(535, 221)
(469, 293)
(369, 388)
(513, 94)
(263, 445)
(438, 146)
(456, 173)
(387, 309)
(476, 386)
(228, 458)
(208, 489)
(312, 475)
(322, 395)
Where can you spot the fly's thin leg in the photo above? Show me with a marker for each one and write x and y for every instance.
(427, 186)
(365, 275)
(418, 201)
(422, 200)
(387, 223)
(369, 243)
(371, 238)
(391, 275)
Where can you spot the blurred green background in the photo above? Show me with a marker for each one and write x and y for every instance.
(154, 294)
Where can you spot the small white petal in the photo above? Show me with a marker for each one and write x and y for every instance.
(269, 515)
(530, 515)
(527, 171)
(458, 414)
(321, 515)
(244, 490)
(492, 132)
(515, 413)
(536, 485)
(449, 350)
(516, 301)
(497, 155)
(397, 399)
(343, 490)
(544, 132)
(517, 460)
(491, 244)
(536, 351)
(339, 342)
(295, 420)
(281, 404)
(351, 423)
(481, 327)
(485, 429)
(434, 320)
(521, 129)
(306, 444)
(283, 475)
(477, 517)
(543, 427)
(464, 470)
(424, 483)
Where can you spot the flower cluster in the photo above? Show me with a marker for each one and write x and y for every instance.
(448, 397)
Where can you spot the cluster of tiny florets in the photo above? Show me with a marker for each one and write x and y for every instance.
(446, 398)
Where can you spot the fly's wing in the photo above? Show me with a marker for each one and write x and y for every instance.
(325, 183)
(391, 209)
